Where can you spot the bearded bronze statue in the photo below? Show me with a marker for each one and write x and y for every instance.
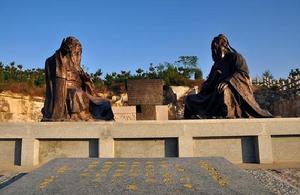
(70, 93)
(227, 92)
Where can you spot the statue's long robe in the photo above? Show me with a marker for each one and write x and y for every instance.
(56, 106)
(236, 101)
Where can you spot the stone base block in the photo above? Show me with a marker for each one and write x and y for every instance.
(124, 113)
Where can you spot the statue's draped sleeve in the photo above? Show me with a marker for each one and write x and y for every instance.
(237, 99)
(241, 83)
(54, 106)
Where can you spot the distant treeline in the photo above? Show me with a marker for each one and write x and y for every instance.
(16, 79)
(184, 71)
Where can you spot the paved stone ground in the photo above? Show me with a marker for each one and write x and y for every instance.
(138, 176)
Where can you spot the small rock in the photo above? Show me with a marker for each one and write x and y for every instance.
(115, 98)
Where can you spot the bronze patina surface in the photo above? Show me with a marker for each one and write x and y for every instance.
(227, 92)
(70, 93)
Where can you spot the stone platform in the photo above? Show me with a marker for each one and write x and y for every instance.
(204, 175)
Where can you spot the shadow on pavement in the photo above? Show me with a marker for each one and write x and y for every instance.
(11, 180)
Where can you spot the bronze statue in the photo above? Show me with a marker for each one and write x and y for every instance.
(227, 92)
(70, 93)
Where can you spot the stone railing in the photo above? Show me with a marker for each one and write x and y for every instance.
(287, 108)
(291, 84)
(238, 140)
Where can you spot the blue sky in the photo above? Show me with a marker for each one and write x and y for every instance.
(126, 35)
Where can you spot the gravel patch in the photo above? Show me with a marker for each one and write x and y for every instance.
(291, 175)
(276, 181)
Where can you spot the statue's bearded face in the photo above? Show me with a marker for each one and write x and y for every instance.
(71, 47)
(218, 52)
(219, 47)
(75, 54)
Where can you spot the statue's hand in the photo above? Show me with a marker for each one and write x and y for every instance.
(221, 87)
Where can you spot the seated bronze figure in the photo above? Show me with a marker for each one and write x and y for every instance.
(70, 93)
(227, 92)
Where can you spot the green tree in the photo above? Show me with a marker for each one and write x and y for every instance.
(139, 73)
(190, 67)
(97, 75)
(267, 74)
(198, 73)
(188, 61)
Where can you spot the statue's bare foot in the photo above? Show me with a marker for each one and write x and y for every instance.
(74, 117)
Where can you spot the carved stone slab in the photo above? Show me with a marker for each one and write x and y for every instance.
(136, 175)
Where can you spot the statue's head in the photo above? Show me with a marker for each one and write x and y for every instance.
(72, 47)
(219, 47)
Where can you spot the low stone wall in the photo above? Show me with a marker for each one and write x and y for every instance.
(236, 149)
(284, 148)
(59, 148)
(126, 148)
(10, 152)
(238, 140)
